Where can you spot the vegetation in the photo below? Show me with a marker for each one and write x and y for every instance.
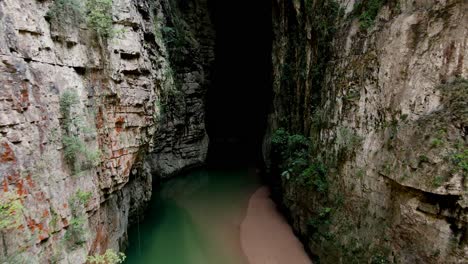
(437, 142)
(99, 17)
(76, 232)
(65, 12)
(77, 154)
(74, 148)
(68, 100)
(320, 222)
(11, 211)
(367, 11)
(347, 141)
(110, 257)
(83, 197)
(324, 25)
(96, 13)
(438, 139)
(177, 35)
(437, 181)
(454, 94)
(295, 163)
(293, 150)
(316, 176)
(461, 161)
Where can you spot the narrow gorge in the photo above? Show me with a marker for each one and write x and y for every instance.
(156, 131)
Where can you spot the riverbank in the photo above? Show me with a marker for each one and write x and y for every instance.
(266, 237)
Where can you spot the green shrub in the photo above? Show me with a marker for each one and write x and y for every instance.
(436, 142)
(279, 138)
(65, 12)
(319, 222)
(437, 181)
(76, 232)
(76, 153)
(379, 258)
(315, 176)
(367, 11)
(461, 160)
(72, 146)
(110, 257)
(11, 211)
(83, 197)
(319, 119)
(293, 151)
(347, 140)
(96, 13)
(324, 17)
(99, 17)
(289, 146)
(68, 99)
(296, 163)
(423, 158)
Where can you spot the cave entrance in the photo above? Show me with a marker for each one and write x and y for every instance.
(239, 97)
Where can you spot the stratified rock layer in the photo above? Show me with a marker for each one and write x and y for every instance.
(385, 104)
(117, 90)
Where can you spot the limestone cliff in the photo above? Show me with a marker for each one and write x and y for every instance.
(89, 110)
(367, 137)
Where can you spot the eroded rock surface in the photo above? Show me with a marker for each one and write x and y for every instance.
(82, 119)
(384, 101)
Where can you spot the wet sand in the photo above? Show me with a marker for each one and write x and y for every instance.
(266, 237)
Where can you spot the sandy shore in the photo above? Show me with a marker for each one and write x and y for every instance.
(266, 237)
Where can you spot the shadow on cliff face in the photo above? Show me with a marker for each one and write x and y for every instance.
(240, 94)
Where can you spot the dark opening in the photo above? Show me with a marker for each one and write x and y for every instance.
(238, 100)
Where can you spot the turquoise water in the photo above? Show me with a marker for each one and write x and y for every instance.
(194, 219)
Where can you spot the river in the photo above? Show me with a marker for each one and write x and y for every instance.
(197, 219)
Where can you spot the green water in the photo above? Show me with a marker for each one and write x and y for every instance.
(194, 219)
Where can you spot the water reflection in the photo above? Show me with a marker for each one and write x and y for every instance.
(195, 219)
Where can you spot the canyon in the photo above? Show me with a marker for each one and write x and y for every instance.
(355, 112)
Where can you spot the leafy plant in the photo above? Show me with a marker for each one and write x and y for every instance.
(461, 160)
(437, 142)
(76, 232)
(280, 138)
(320, 221)
(367, 11)
(296, 163)
(437, 181)
(77, 154)
(379, 258)
(109, 257)
(347, 140)
(96, 13)
(83, 197)
(99, 17)
(323, 16)
(11, 211)
(423, 158)
(315, 175)
(65, 12)
(68, 100)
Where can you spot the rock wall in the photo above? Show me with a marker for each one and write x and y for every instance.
(379, 90)
(86, 120)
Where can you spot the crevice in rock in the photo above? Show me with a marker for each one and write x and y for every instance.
(240, 96)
